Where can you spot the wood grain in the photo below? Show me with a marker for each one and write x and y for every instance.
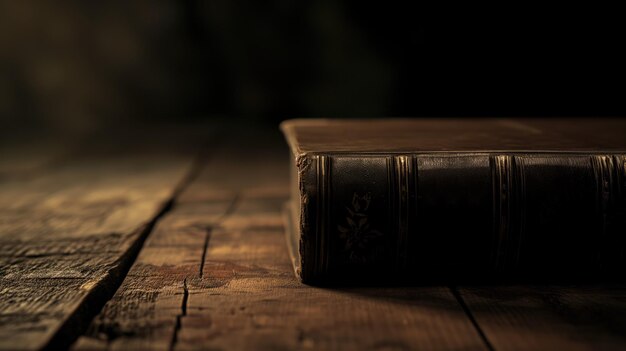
(550, 317)
(216, 274)
(145, 311)
(249, 299)
(69, 233)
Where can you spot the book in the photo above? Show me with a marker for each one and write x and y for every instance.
(456, 199)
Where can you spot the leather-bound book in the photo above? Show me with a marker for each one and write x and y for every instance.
(457, 199)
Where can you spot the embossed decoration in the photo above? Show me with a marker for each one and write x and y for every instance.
(357, 233)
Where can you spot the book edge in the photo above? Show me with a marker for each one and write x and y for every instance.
(288, 127)
(292, 242)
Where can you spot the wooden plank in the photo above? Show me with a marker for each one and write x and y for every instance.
(250, 299)
(144, 312)
(550, 317)
(253, 161)
(241, 293)
(69, 233)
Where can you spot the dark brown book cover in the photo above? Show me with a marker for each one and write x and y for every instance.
(411, 199)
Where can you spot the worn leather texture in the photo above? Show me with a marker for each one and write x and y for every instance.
(459, 212)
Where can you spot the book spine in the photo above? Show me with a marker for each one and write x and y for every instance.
(421, 215)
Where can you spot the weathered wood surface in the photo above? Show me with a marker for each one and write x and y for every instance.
(69, 232)
(550, 317)
(215, 274)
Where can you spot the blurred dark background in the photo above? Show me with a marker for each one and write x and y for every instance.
(78, 66)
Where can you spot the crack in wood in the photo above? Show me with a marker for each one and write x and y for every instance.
(471, 317)
(185, 297)
(209, 230)
(179, 317)
(77, 323)
(207, 237)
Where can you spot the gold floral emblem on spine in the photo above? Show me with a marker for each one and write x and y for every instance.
(356, 233)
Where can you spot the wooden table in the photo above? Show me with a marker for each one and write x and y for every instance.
(173, 240)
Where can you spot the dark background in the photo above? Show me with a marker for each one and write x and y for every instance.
(79, 66)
